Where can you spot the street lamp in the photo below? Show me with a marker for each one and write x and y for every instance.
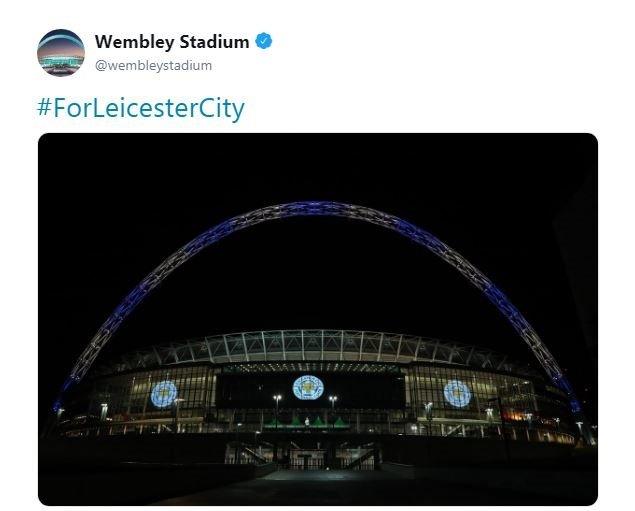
(501, 413)
(489, 413)
(594, 427)
(277, 399)
(428, 409)
(177, 405)
(332, 399)
(237, 447)
(579, 424)
(104, 411)
(103, 417)
(528, 417)
(58, 418)
(585, 437)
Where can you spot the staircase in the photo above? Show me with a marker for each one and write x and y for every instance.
(253, 455)
(358, 463)
(453, 430)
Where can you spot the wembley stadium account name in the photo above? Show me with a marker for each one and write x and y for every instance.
(214, 41)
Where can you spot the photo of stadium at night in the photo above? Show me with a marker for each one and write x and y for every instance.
(60, 53)
(298, 344)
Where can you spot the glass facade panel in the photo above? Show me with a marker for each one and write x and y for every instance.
(438, 400)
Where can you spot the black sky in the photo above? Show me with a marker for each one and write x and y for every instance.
(523, 209)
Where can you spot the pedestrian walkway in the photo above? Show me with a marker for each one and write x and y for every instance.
(351, 487)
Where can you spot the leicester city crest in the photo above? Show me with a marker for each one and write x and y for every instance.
(308, 387)
(457, 393)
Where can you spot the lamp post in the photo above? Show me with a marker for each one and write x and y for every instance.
(497, 399)
(528, 417)
(585, 433)
(579, 424)
(104, 412)
(557, 421)
(177, 406)
(428, 409)
(103, 416)
(277, 399)
(237, 449)
(58, 421)
(332, 399)
(489, 413)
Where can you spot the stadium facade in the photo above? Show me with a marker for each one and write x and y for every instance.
(318, 381)
(53, 64)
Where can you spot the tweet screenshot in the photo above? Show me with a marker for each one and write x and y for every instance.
(347, 253)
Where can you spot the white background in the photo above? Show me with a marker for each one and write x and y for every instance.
(344, 65)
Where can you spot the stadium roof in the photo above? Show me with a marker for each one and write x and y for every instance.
(314, 346)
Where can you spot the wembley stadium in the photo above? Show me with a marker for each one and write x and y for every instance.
(298, 381)
(322, 398)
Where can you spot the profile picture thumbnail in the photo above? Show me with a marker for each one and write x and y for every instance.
(60, 52)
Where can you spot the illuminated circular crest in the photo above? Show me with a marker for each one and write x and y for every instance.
(308, 387)
(457, 393)
(163, 394)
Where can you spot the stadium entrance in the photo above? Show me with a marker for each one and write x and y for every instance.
(309, 454)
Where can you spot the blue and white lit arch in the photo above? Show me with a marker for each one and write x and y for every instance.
(66, 36)
(333, 209)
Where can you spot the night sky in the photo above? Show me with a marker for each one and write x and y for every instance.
(523, 209)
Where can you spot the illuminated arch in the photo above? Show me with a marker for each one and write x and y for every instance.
(319, 208)
(68, 37)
